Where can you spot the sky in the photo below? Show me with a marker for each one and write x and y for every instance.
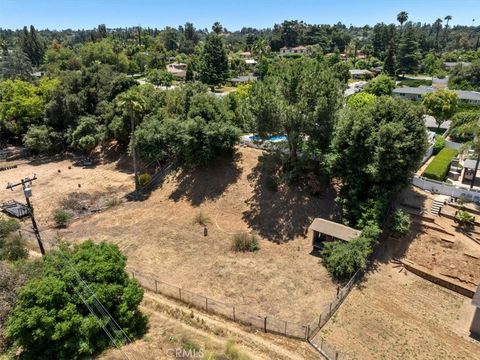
(87, 14)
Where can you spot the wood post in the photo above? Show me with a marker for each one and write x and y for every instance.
(156, 287)
(308, 332)
(133, 274)
(180, 294)
(234, 314)
(265, 324)
(285, 328)
(206, 304)
(320, 320)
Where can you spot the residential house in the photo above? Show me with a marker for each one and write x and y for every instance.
(244, 79)
(293, 50)
(178, 70)
(416, 93)
(360, 74)
(450, 65)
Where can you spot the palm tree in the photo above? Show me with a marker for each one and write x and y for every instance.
(437, 26)
(260, 48)
(217, 27)
(447, 19)
(134, 104)
(402, 17)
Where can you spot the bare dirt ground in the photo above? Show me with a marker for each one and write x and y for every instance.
(174, 326)
(52, 189)
(394, 314)
(459, 260)
(159, 237)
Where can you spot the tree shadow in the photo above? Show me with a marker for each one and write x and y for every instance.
(200, 184)
(282, 215)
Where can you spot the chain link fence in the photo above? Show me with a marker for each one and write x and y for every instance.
(238, 314)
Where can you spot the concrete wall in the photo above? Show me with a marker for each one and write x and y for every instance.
(443, 188)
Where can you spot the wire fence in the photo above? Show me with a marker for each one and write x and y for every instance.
(268, 324)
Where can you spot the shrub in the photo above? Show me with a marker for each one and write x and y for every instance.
(13, 248)
(115, 201)
(144, 179)
(343, 259)
(439, 144)
(438, 168)
(49, 306)
(464, 218)
(245, 242)
(201, 219)
(400, 223)
(7, 226)
(233, 353)
(61, 217)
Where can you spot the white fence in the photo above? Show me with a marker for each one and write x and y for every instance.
(444, 188)
(428, 153)
(453, 145)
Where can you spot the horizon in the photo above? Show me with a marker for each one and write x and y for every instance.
(88, 14)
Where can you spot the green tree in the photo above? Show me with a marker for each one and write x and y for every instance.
(217, 28)
(87, 134)
(213, 62)
(50, 307)
(361, 100)
(408, 54)
(42, 139)
(432, 64)
(16, 66)
(160, 77)
(134, 103)
(441, 104)
(381, 85)
(32, 45)
(402, 17)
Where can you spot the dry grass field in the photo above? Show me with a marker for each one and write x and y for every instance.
(394, 314)
(160, 238)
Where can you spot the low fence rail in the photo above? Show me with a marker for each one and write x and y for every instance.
(268, 324)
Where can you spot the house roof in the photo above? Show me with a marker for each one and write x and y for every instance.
(338, 231)
(449, 64)
(360, 72)
(476, 298)
(470, 163)
(462, 94)
(250, 61)
(243, 78)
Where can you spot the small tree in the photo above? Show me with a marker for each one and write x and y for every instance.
(441, 104)
(381, 85)
(400, 223)
(213, 61)
(160, 77)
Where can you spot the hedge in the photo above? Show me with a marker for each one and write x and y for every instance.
(438, 168)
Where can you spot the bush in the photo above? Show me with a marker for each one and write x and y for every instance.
(13, 248)
(115, 201)
(343, 259)
(272, 183)
(61, 217)
(245, 242)
(400, 223)
(439, 144)
(49, 306)
(144, 179)
(438, 168)
(464, 218)
(7, 226)
(201, 219)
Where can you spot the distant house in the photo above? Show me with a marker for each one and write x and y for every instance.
(245, 54)
(242, 79)
(178, 70)
(325, 230)
(450, 65)
(469, 172)
(293, 50)
(360, 74)
(250, 62)
(475, 325)
(416, 93)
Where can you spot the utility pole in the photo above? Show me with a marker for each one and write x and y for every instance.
(27, 191)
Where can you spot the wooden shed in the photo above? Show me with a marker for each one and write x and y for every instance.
(475, 325)
(326, 230)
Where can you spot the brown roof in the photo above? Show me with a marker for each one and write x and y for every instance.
(334, 229)
(476, 298)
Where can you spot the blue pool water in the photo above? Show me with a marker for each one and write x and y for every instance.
(273, 138)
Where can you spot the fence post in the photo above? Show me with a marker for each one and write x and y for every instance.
(265, 324)
(133, 274)
(308, 332)
(180, 293)
(206, 304)
(234, 314)
(156, 287)
(336, 355)
(330, 311)
(285, 328)
(320, 320)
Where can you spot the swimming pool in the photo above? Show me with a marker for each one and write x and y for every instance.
(274, 138)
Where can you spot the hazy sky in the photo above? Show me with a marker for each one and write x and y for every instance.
(61, 14)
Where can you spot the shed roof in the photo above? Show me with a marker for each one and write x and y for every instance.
(334, 229)
(360, 72)
(476, 297)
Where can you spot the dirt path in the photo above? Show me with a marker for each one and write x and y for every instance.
(171, 319)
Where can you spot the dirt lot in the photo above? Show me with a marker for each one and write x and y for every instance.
(159, 237)
(459, 260)
(397, 315)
